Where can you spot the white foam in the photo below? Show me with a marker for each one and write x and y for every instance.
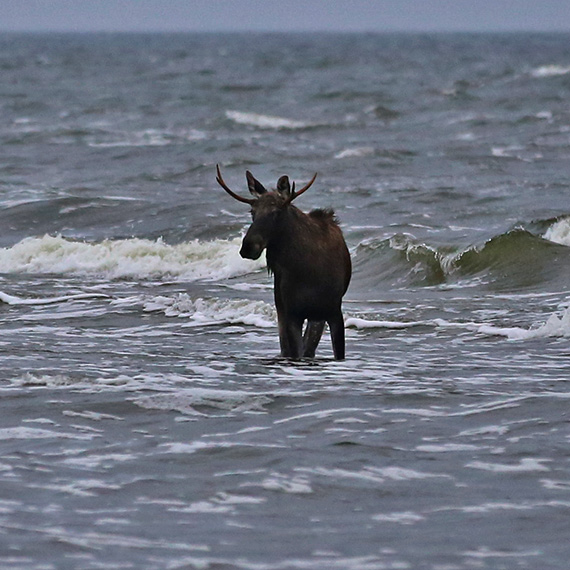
(337, 473)
(359, 323)
(14, 300)
(447, 447)
(505, 151)
(93, 461)
(296, 485)
(28, 433)
(148, 137)
(559, 232)
(266, 121)
(186, 401)
(204, 312)
(525, 465)
(355, 152)
(553, 327)
(514, 151)
(141, 258)
(407, 517)
(550, 71)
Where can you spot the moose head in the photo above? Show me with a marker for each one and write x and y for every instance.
(267, 210)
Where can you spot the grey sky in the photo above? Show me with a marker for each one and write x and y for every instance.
(286, 15)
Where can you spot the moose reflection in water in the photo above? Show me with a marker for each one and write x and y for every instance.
(310, 262)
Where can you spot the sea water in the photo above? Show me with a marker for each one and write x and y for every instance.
(146, 419)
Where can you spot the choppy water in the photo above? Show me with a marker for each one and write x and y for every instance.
(145, 419)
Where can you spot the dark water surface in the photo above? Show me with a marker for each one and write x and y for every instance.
(146, 420)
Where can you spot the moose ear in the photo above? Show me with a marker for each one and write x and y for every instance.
(255, 187)
(283, 187)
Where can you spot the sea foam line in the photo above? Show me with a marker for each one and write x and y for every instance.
(14, 300)
(206, 312)
(555, 326)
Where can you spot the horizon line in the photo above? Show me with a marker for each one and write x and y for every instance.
(505, 30)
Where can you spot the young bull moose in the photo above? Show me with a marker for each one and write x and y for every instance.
(309, 259)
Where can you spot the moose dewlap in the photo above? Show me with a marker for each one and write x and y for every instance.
(309, 259)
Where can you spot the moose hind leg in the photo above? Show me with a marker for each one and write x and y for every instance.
(291, 338)
(311, 338)
(336, 325)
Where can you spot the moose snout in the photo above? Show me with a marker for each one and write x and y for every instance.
(251, 248)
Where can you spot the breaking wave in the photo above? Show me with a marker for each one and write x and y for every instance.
(130, 258)
(521, 257)
(559, 232)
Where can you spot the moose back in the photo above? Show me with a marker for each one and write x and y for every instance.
(310, 262)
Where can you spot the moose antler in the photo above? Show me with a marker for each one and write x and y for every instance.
(304, 189)
(221, 182)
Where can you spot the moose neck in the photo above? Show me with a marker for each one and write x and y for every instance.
(283, 247)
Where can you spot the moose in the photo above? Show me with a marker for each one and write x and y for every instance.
(309, 259)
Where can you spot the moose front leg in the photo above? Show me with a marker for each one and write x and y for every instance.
(283, 336)
(290, 327)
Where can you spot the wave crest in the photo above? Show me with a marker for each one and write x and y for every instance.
(130, 258)
(518, 258)
(559, 232)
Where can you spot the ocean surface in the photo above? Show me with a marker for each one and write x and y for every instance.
(147, 421)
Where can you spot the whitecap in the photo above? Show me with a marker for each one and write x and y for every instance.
(550, 71)
(446, 447)
(222, 503)
(148, 137)
(365, 475)
(406, 517)
(484, 552)
(355, 152)
(29, 433)
(525, 465)
(505, 151)
(95, 461)
(295, 485)
(266, 121)
(140, 258)
(559, 232)
(402, 474)
(516, 152)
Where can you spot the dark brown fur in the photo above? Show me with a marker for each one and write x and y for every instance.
(310, 262)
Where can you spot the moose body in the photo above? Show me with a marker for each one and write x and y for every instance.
(310, 262)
